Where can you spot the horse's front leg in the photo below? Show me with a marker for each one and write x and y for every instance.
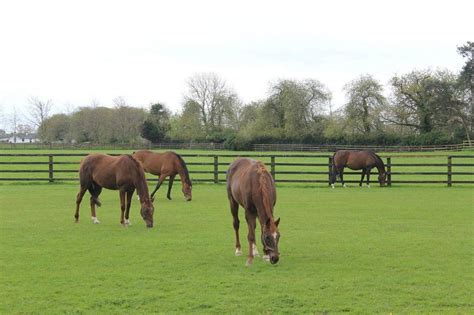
(251, 222)
(122, 207)
(160, 181)
(168, 195)
(341, 175)
(362, 177)
(368, 178)
(129, 203)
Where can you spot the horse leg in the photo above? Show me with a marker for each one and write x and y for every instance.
(95, 192)
(362, 177)
(333, 175)
(81, 193)
(169, 186)
(251, 222)
(341, 175)
(160, 181)
(368, 177)
(129, 203)
(122, 207)
(234, 209)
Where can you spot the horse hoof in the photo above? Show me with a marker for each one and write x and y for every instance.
(248, 263)
(332, 186)
(238, 252)
(345, 186)
(95, 220)
(127, 222)
(266, 257)
(368, 186)
(169, 198)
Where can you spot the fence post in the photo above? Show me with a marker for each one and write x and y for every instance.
(449, 171)
(272, 166)
(216, 169)
(389, 171)
(330, 170)
(50, 168)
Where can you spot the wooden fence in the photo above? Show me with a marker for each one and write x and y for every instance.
(457, 169)
(377, 148)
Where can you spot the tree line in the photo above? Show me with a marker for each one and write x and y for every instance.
(429, 106)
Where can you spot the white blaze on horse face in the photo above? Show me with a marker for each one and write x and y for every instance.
(95, 220)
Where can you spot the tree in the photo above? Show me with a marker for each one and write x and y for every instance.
(216, 102)
(466, 85)
(188, 125)
(55, 128)
(424, 100)
(295, 107)
(365, 102)
(157, 123)
(39, 111)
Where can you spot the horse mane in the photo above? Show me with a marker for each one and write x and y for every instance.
(262, 172)
(185, 169)
(378, 158)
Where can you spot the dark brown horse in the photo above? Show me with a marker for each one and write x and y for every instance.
(357, 160)
(164, 165)
(250, 185)
(121, 173)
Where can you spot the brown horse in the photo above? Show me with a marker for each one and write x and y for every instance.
(250, 185)
(163, 165)
(121, 173)
(356, 160)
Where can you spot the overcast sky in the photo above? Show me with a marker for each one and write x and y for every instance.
(77, 52)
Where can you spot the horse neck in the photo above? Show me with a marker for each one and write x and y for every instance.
(183, 174)
(379, 165)
(141, 186)
(265, 193)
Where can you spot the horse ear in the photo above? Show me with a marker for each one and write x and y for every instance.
(277, 222)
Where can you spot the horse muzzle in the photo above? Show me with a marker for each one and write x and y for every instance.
(274, 259)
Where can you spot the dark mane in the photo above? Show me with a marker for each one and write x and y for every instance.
(378, 158)
(185, 168)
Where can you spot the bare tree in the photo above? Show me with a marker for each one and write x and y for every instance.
(39, 111)
(215, 99)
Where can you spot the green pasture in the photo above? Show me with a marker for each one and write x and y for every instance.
(402, 250)
(400, 160)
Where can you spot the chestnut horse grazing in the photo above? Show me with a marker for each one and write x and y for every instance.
(251, 185)
(356, 160)
(163, 165)
(121, 173)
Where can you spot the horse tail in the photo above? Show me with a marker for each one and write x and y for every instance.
(263, 182)
(185, 169)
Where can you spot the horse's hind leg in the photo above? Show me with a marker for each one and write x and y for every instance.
(95, 192)
(81, 193)
(168, 195)
(234, 209)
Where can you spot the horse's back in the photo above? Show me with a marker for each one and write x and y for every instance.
(157, 163)
(354, 159)
(245, 180)
(107, 171)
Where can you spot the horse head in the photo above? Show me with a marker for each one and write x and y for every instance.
(382, 178)
(187, 191)
(270, 239)
(147, 211)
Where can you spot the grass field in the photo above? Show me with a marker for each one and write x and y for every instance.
(403, 249)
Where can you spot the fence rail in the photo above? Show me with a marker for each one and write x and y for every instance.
(335, 147)
(458, 169)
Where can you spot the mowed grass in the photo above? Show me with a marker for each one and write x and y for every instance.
(380, 250)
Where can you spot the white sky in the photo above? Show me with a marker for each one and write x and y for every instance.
(74, 52)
